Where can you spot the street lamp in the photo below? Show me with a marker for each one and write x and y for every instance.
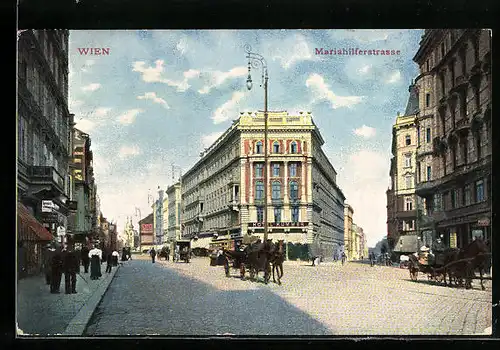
(256, 60)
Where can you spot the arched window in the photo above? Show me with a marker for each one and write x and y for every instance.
(258, 147)
(294, 190)
(276, 194)
(259, 190)
(276, 147)
(293, 147)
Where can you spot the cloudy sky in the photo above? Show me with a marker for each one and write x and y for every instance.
(160, 97)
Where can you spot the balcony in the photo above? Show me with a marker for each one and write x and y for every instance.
(234, 205)
(461, 83)
(46, 175)
(427, 188)
(462, 125)
(406, 214)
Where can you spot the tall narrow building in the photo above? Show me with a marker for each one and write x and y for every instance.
(401, 198)
(454, 180)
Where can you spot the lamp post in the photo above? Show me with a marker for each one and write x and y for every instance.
(256, 60)
(137, 210)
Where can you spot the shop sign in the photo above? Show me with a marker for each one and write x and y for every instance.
(279, 224)
(61, 231)
(47, 206)
(453, 240)
(483, 222)
(50, 217)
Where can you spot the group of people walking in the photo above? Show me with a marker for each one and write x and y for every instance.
(65, 259)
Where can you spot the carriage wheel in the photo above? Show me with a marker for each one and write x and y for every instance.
(413, 273)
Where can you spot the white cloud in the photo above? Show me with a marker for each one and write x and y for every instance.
(322, 91)
(154, 75)
(229, 109)
(364, 183)
(297, 51)
(152, 96)
(129, 116)
(75, 104)
(217, 78)
(128, 151)
(209, 139)
(91, 87)
(363, 35)
(394, 77)
(365, 69)
(182, 46)
(365, 131)
(102, 111)
(85, 125)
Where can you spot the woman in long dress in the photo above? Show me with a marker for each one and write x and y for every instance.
(95, 256)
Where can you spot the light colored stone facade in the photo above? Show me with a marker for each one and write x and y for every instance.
(222, 192)
(174, 212)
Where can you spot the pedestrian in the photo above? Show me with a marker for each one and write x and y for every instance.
(176, 254)
(168, 254)
(71, 266)
(95, 256)
(85, 258)
(153, 254)
(344, 257)
(109, 261)
(56, 266)
(115, 256)
(48, 252)
(372, 259)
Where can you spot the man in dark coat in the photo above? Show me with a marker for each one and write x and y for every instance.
(56, 264)
(85, 258)
(71, 266)
(153, 254)
(47, 254)
(109, 261)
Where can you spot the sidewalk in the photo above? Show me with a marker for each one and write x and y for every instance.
(41, 313)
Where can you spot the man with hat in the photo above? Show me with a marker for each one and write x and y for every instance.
(47, 253)
(56, 265)
(71, 266)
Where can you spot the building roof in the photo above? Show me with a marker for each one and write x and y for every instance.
(412, 105)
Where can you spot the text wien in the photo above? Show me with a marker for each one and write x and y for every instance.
(96, 51)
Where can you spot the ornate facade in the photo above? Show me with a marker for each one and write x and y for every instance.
(223, 192)
(455, 104)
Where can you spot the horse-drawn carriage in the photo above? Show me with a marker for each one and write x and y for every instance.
(256, 257)
(182, 251)
(459, 265)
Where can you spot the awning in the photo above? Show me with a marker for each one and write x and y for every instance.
(28, 228)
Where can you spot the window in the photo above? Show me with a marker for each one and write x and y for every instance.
(408, 160)
(438, 202)
(463, 59)
(443, 84)
(427, 66)
(20, 138)
(259, 190)
(408, 140)
(293, 147)
(277, 214)
(464, 150)
(294, 190)
(429, 173)
(478, 145)
(276, 147)
(428, 135)
(295, 214)
(276, 170)
(468, 194)
(427, 99)
(419, 169)
(260, 214)
(408, 203)
(258, 147)
(293, 169)
(408, 180)
(259, 168)
(479, 191)
(442, 50)
(453, 199)
(276, 193)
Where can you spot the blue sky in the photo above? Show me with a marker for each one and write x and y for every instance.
(160, 97)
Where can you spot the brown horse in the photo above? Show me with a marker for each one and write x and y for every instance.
(277, 259)
(477, 255)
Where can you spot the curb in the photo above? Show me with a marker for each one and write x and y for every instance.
(77, 325)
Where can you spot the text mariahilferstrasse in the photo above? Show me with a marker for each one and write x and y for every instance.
(356, 52)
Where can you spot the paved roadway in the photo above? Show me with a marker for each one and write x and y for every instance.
(197, 299)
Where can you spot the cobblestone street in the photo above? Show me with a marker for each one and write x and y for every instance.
(197, 299)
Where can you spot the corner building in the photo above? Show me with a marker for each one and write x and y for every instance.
(454, 161)
(223, 193)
